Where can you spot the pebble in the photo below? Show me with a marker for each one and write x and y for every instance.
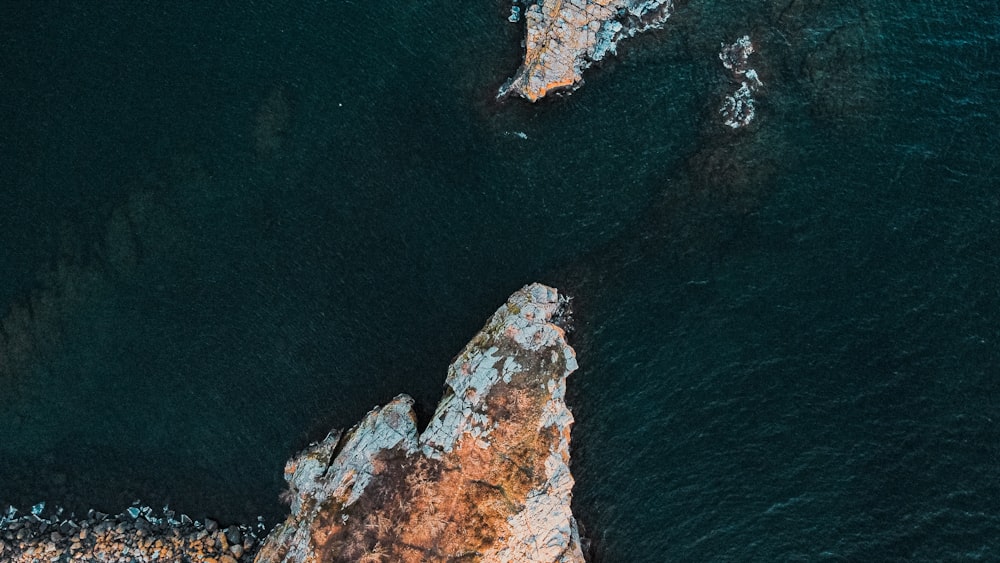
(233, 535)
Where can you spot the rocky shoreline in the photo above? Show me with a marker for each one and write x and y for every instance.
(488, 480)
(138, 535)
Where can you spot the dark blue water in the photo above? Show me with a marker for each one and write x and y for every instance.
(225, 230)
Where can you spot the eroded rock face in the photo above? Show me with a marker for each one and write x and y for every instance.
(564, 37)
(488, 480)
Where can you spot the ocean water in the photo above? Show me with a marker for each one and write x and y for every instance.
(227, 229)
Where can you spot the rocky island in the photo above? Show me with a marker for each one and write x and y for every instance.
(487, 480)
(565, 37)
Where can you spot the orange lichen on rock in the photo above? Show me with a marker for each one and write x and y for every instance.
(564, 37)
(488, 480)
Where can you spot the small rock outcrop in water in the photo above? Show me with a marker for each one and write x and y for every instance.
(488, 480)
(738, 108)
(564, 37)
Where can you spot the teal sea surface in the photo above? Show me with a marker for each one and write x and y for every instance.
(226, 229)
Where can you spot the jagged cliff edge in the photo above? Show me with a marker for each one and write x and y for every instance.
(487, 480)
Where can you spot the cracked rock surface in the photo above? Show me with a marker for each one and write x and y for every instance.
(488, 480)
(564, 37)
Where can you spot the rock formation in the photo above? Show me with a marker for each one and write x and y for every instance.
(738, 109)
(564, 37)
(487, 480)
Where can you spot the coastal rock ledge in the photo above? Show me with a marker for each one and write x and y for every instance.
(487, 480)
(565, 37)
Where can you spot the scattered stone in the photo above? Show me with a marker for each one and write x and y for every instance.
(234, 535)
(123, 538)
(515, 14)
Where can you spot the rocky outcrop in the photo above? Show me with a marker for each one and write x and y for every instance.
(738, 109)
(564, 37)
(487, 480)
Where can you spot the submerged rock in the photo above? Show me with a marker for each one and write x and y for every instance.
(487, 480)
(564, 37)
